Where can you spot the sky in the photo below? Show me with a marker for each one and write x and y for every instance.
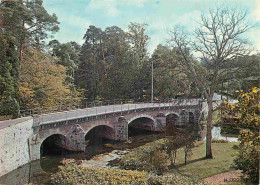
(159, 15)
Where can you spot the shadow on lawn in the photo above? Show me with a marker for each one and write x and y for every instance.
(189, 162)
(176, 168)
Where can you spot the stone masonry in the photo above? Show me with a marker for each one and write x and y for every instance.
(21, 139)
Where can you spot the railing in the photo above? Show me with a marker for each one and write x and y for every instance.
(70, 106)
(92, 104)
(114, 108)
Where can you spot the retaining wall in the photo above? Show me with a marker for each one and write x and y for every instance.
(14, 143)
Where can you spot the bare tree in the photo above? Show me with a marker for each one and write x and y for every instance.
(216, 41)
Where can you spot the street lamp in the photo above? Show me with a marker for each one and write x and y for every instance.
(152, 83)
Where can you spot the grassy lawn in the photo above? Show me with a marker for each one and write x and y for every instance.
(199, 167)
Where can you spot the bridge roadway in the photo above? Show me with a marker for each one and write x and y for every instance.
(22, 140)
(80, 113)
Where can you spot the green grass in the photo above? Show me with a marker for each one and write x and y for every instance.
(199, 167)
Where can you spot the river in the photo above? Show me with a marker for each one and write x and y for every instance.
(40, 171)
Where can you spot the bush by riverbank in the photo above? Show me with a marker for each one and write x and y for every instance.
(74, 174)
(140, 158)
(197, 167)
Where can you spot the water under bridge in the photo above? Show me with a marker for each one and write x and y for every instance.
(21, 140)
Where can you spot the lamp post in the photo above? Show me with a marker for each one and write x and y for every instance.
(152, 84)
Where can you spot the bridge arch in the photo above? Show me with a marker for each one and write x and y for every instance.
(172, 112)
(52, 144)
(140, 124)
(96, 133)
(172, 119)
(142, 116)
(96, 125)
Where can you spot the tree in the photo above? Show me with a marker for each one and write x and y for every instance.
(68, 56)
(110, 67)
(178, 138)
(139, 40)
(246, 77)
(28, 22)
(90, 67)
(217, 41)
(42, 83)
(247, 111)
(20, 22)
(9, 76)
(168, 74)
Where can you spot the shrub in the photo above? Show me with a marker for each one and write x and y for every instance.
(247, 161)
(140, 158)
(73, 174)
(247, 111)
(219, 141)
(160, 161)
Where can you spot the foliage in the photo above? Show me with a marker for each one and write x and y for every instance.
(247, 111)
(9, 76)
(219, 141)
(20, 22)
(188, 149)
(168, 73)
(159, 161)
(217, 40)
(74, 174)
(178, 138)
(156, 156)
(110, 67)
(68, 56)
(246, 75)
(139, 39)
(140, 158)
(27, 22)
(42, 82)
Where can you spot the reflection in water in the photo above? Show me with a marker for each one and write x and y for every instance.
(40, 171)
(29, 173)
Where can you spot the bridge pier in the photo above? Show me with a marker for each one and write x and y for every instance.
(21, 139)
(75, 139)
(121, 129)
(160, 124)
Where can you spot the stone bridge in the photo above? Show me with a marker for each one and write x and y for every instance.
(22, 140)
(111, 122)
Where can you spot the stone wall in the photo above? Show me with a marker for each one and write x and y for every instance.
(14, 143)
(121, 129)
(20, 139)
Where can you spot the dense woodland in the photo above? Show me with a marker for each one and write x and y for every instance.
(111, 64)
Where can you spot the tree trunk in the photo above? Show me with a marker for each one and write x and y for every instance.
(171, 158)
(185, 158)
(174, 156)
(21, 53)
(21, 45)
(209, 128)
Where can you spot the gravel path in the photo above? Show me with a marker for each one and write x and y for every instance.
(224, 178)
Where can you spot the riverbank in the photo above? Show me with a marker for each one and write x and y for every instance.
(197, 170)
(197, 167)
(102, 160)
(41, 170)
(104, 156)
